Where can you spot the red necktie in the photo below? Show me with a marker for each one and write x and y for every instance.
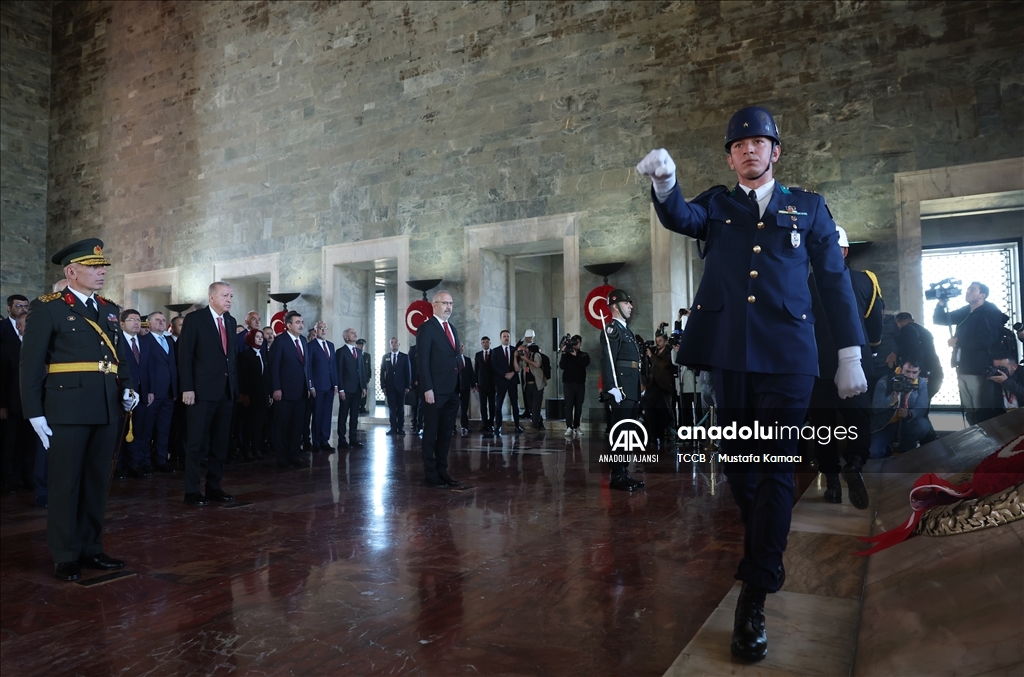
(302, 357)
(448, 331)
(327, 353)
(487, 356)
(135, 351)
(223, 335)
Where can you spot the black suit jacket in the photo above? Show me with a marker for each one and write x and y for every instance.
(484, 372)
(351, 378)
(467, 377)
(288, 373)
(161, 368)
(253, 379)
(397, 378)
(438, 370)
(203, 367)
(10, 355)
(7, 331)
(500, 367)
(138, 369)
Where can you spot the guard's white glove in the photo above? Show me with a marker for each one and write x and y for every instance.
(617, 395)
(130, 399)
(43, 430)
(850, 375)
(659, 166)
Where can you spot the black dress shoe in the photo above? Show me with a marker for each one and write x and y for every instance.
(298, 464)
(163, 468)
(145, 471)
(342, 444)
(391, 432)
(219, 495)
(196, 499)
(121, 475)
(519, 429)
(448, 481)
(855, 483)
(623, 482)
(101, 561)
(356, 445)
(749, 638)
(435, 483)
(326, 447)
(833, 489)
(67, 571)
(401, 433)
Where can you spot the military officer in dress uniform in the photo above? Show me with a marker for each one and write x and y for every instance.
(620, 376)
(752, 327)
(75, 388)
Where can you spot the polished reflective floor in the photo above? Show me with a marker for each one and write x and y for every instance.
(353, 567)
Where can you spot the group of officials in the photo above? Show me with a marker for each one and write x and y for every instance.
(752, 326)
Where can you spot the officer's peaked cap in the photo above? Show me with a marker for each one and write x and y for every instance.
(618, 296)
(88, 252)
(751, 121)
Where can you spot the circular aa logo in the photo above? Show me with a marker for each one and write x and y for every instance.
(628, 435)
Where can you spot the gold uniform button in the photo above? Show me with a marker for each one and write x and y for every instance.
(753, 274)
(751, 299)
(698, 306)
(760, 224)
(757, 249)
(728, 221)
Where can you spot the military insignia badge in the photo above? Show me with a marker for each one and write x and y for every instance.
(791, 210)
(113, 318)
(794, 239)
(71, 318)
(610, 329)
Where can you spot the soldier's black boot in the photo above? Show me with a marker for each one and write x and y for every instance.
(855, 483)
(749, 639)
(623, 482)
(833, 488)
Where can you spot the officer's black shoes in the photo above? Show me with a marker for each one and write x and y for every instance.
(101, 561)
(219, 495)
(298, 463)
(196, 499)
(435, 483)
(749, 639)
(448, 481)
(163, 468)
(356, 445)
(833, 489)
(855, 483)
(67, 571)
(519, 429)
(623, 482)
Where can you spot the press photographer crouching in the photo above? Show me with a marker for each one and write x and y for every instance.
(900, 410)
(573, 363)
(1007, 374)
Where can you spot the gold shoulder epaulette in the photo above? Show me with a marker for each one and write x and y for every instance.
(46, 298)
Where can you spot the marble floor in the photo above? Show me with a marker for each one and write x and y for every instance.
(353, 567)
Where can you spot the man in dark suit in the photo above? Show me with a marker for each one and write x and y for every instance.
(467, 384)
(367, 375)
(324, 374)
(17, 307)
(351, 390)
(162, 388)
(395, 381)
(436, 341)
(208, 374)
(19, 440)
(505, 367)
(290, 381)
(74, 395)
(134, 460)
(179, 419)
(415, 401)
(485, 385)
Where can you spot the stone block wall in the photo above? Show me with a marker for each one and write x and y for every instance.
(24, 130)
(186, 133)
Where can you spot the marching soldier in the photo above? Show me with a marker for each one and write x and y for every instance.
(620, 376)
(752, 327)
(74, 393)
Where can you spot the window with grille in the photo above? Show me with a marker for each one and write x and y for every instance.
(994, 264)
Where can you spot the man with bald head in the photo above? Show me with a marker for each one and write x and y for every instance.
(208, 378)
(351, 389)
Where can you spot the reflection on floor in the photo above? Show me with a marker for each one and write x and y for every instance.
(353, 567)
(929, 606)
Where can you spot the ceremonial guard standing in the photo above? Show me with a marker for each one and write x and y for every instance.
(752, 327)
(620, 376)
(74, 393)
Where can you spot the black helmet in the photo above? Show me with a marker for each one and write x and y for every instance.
(618, 296)
(751, 121)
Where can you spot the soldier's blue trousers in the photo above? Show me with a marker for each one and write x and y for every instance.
(763, 489)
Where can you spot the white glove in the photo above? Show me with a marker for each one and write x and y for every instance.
(617, 395)
(850, 375)
(130, 399)
(43, 430)
(659, 166)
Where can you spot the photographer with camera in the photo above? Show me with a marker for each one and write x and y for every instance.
(977, 329)
(900, 410)
(1007, 374)
(916, 341)
(536, 374)
(573, 363)
(661, 384)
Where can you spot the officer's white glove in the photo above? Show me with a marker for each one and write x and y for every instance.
(43, 430)
(659, 166)
(850, 375)
(130, 399)
(617, 395)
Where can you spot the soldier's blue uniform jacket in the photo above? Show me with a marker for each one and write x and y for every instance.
(752, 311)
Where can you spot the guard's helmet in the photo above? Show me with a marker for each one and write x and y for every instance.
(751, 121)
(618, 296)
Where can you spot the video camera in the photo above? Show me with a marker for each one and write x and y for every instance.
(903, 384)
(943, 290)
(566, 343)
